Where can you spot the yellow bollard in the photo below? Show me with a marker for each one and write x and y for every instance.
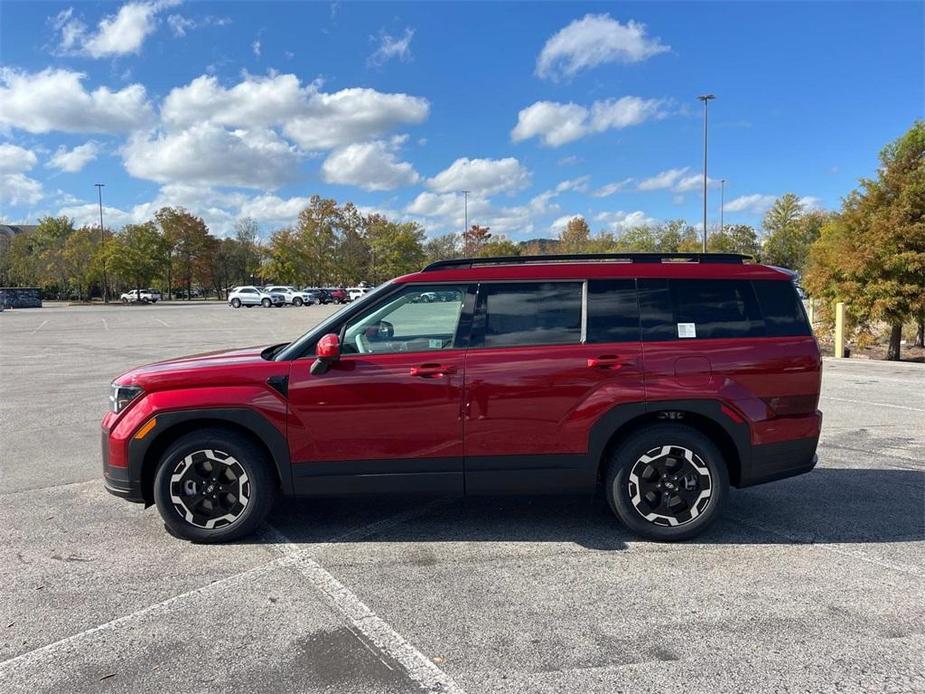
(840, 330)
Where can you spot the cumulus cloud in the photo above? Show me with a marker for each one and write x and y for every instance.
(611, 188)
(481, 176)
(559, 224)
(755, 203)
(73, 160)
(621, 221)
(314, 119)
(16, 159)
(368, 165)
(593, 40)
(809, 202)
(557, 124)
(212, 155)
(391, 47)
(55, 99)
(273, 209)
(579, 184)
(122, 33)
(15, 187)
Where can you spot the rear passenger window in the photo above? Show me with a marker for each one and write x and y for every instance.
(613, 314)
(528, 313)
(782, 309)
(698, 309)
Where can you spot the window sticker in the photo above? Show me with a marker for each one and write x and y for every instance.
(687, 330)
(435, 344)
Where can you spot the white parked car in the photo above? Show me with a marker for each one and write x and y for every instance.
(141, 296)
(250, 295)
(356, 292)
(294, 296)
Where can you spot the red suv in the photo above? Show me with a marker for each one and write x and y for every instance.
(663, 378)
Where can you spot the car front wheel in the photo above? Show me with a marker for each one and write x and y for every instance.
(266, 303)
(236, 303)
(297, 301)
(214, 485)
(667, 482)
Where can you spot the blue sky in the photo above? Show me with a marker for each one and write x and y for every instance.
(543, 110)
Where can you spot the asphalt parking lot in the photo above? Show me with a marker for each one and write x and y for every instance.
(815, 583)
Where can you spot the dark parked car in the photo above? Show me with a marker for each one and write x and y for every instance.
(664, 379)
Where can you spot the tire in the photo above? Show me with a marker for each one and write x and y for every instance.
(297, 301)
(266, 303)
(246, 471)
(124, 301)
(686, 470)
(236, 303)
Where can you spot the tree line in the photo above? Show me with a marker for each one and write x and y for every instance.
(869, 254)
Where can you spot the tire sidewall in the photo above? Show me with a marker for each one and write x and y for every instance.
(236, 303)
(626, 455)
(266, 303)
(249, 456)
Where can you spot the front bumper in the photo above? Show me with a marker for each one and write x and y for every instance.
(116, 479)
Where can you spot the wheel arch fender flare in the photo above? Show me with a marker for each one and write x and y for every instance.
(143, 454)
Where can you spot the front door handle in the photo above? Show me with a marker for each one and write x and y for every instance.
(605, 361)
(432, 370)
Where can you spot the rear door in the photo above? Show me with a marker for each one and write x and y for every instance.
(539, 373)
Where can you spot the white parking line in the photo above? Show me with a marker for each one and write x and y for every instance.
(417, 666)
(44, 323)
(875, 404)
(52, 652)
(105, 324)
(162, 322)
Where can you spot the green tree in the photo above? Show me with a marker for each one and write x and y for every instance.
(499, 246)
(79, 258)
(872, 254)
(441, 248)
(188, 243)
(473, 239)
(316, 238)
(575, 236)
(735, 238)
(395, 248)
(136, 255)
(790, 232)
(284, 262)
(248, 251)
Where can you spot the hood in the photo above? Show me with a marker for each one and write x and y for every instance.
(230, 366)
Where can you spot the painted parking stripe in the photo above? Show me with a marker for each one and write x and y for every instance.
(162, 322)
(44, 323)
(52, 652)
(875, 404)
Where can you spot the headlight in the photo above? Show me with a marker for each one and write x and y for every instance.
(121, 396)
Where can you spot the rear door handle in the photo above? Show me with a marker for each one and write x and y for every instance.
(432, 370)
(605, 361)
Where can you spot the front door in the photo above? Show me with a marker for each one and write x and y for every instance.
(387, 415)
(546, 361)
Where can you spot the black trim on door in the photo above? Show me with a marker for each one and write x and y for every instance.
(358, 477)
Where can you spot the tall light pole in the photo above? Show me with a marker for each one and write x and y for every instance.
(99, 190)
(466, 208)
(706, 99)
(722, 203)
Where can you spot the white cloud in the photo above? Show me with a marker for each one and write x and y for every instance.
(55, 99)
(391, 47)
(15, 159)
(481, 176)
(579, 184)
(122, 33)
(314, 119)
(181, 26)
(756, 203)
(73, 160)
(664, 180)
(557, 124)
(559, 224)
(255, 47)
(621, 221)
(273, 209)
(593, 40)
(369, 165)
(19, 189)
(694, 182)
(209, 154)
(809, 202)
(440, 205)
(611, 188)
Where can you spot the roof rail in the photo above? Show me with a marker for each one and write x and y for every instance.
(458, 263)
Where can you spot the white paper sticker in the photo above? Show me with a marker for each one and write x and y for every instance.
(435, 344)
(687, 330)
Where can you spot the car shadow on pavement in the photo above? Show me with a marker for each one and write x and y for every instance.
(829, 505)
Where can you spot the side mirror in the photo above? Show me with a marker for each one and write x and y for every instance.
(327, 351)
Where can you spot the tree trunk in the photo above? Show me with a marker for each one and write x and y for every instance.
(920, 333)
(896, 334)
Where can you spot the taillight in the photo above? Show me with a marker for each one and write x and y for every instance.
(792, 405)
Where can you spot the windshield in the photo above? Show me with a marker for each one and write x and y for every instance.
(298, 346)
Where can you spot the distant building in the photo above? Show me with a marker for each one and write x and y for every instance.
(11, 230)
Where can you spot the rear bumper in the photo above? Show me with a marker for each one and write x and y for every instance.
(776, 461)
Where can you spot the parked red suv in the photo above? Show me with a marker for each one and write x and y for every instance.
(664, 378)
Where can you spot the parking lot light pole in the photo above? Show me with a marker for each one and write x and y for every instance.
(722, 204)
(466, 209)
(99, 189)
(706, 99)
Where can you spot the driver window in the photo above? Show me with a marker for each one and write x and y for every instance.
(418, 319)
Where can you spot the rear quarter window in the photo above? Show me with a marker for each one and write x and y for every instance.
(781, 308)
(674, 309)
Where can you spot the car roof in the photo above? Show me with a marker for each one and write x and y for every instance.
(600, 266)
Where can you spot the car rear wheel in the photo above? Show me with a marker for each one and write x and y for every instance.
(266, 303)
(214, 485)
(667, 482)
(297, 301)
(236, 303)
